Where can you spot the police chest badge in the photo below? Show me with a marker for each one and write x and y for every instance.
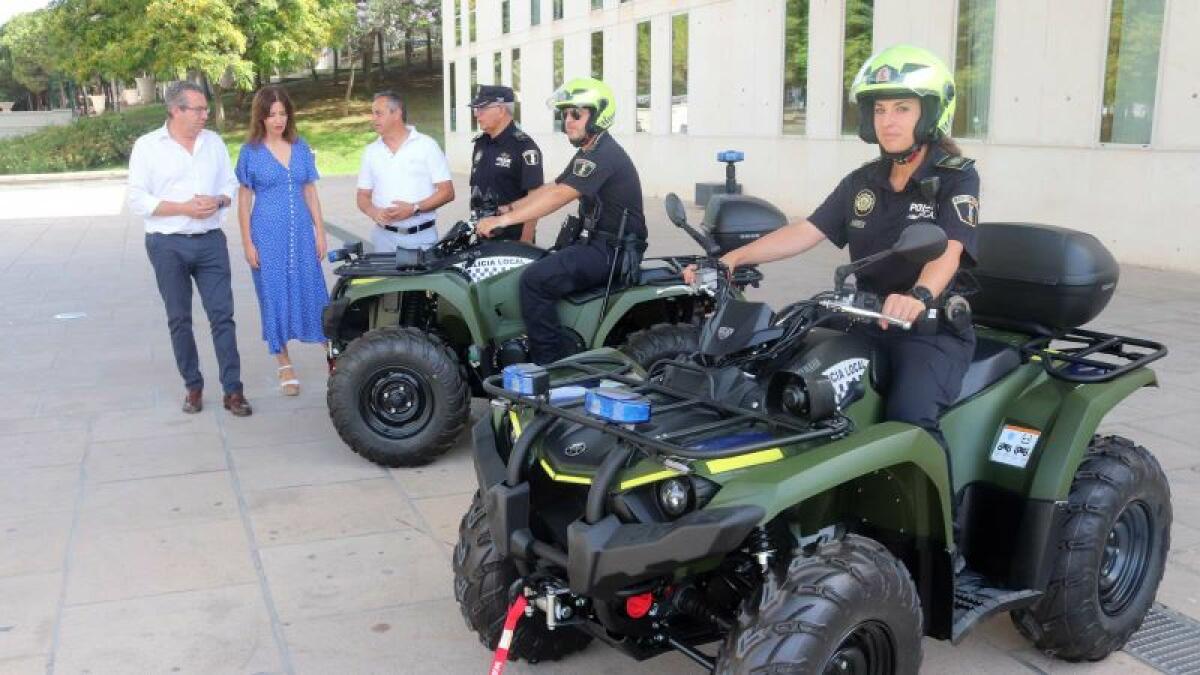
(583, 167)
(504, 160)
(966, 207)
(864, 202)
(530, 157)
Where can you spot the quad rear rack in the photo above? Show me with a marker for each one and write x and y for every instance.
(1090, 356)
(672, 444)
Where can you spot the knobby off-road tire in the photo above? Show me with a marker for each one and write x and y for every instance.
(1110, 555)
(398, 397)
(661, 341)
(481, 584)
(850, 607)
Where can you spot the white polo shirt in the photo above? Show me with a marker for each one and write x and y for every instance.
(407, 175)
(160, 169)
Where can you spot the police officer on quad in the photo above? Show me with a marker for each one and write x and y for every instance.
(604, 180)
(906, 101)
(505, 161)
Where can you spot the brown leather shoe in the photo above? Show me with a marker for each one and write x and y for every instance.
(194, 401)
(237, 404)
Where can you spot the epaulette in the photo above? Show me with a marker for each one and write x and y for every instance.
(869, 162)
(957, 162)
(477, 136)
(520, 135)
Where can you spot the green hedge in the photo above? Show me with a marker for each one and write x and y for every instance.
(93, 143)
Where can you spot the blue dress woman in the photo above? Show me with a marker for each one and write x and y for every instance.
(282, 230)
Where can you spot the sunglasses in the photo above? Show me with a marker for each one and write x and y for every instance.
(574, 113)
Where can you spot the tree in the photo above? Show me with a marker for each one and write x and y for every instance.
(283, 35)
(95, 39)
(198, 36)
(31, 58)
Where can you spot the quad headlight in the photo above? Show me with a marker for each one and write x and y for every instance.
(675, 496)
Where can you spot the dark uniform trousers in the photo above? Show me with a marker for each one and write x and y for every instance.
(582, 265)
(925, 373)
(177, 259)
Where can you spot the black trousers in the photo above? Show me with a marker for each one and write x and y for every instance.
(925, 373)
(580, 266)
(177, 260)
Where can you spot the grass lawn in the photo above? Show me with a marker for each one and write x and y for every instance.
(337, 132)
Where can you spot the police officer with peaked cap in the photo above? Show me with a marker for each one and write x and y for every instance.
(505, 160)
(602, 177)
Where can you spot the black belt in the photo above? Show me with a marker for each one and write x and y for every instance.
(409, 230)
(185, 234)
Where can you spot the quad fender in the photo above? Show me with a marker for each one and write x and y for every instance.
(451, 289)
(622, 304)
(891, 451)
(1079, 415)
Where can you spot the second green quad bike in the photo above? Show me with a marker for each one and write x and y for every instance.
(749, 508)
(412, 333)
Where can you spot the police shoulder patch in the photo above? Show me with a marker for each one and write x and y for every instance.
(957, 162)
(583, 167)
(530, 156)
(966, 207)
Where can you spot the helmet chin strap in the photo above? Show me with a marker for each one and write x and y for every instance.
(902, 157)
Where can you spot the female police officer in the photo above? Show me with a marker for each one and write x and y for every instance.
(906, 99)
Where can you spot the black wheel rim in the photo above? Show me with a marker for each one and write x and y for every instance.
(396, 402)
(867, 649)
(1126, 558)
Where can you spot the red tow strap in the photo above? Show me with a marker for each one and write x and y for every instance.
(515, 612)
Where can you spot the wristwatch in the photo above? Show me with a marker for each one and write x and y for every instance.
(923, 294)
(416, 208)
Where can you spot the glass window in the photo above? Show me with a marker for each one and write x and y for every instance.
(973, 67)
(496, 75)
(515, 77)
(642, 93)
(679, 73)
(856, 51)
(558, 9)
(458, 18)
(535, 12)
(1131, 71)
(471, 25)
(505, 13)
(474, 79)
(558, 63)
(795, 66)
(597, 4)
(598, 55)
(453, 101)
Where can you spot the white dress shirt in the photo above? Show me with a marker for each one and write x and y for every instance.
(407, 175)
(160, 169)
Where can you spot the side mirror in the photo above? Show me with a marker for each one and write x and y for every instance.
(675, 211)
(920, 242)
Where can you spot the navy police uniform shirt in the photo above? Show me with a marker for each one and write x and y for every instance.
(609, 185)
(509, 165)
(866, 213)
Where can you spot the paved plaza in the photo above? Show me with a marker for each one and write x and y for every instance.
(137, 539)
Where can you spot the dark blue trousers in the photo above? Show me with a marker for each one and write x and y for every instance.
(580, 266)
(177, 260)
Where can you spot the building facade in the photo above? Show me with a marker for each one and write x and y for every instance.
(1080, 113)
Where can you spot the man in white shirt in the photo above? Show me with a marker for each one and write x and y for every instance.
(180, 182)
(404, 179)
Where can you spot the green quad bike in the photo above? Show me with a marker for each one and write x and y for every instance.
(413, 333)
(751, 495)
